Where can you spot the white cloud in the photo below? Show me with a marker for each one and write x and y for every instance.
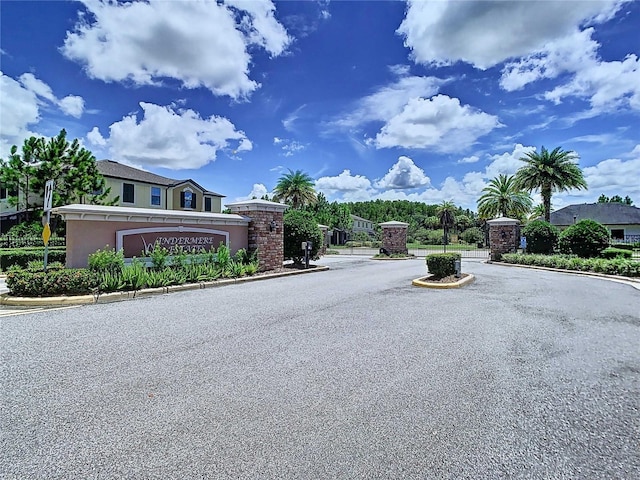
(507, 163)
(199, 43)
(292, 147)
(615, 176)
(171, 138)
(439, 123)
(258, 191)
(389, 100)
(72, 105)
(345, 182)
(403, 175)
(485, 34)
(277, 140)
(95, 137)
(21, 102)
(471, 159)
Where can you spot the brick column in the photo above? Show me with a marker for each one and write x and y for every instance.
(266, 230)
(394, 237)
(325, 239)
(503, 236)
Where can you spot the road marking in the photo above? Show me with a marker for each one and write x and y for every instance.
(9, 313)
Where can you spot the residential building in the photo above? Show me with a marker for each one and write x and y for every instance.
(622, 221)
(141, 189)
(362, 225)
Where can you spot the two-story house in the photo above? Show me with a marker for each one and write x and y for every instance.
(141, 189)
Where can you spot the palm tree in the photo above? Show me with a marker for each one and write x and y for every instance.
(502, 197)
(446, 215)
(549, 172)
(537, 211)
(295, 188)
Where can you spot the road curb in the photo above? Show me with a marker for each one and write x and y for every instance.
(6, 299)
(425, 283)
(632, 281)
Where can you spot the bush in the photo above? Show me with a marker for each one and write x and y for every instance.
(542, 237)
(616, 253)
(442, 265)
(472, 235)
(22, 256)
(587, 239)
(106, 260)
(23, 283)
(300, 227)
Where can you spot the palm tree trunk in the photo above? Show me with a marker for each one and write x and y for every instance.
(546, 201)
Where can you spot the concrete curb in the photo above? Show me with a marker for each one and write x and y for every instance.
(6, 299)
(396, 258)
(425, 283)
(632, 281)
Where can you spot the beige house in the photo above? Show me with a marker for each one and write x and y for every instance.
(140, 189)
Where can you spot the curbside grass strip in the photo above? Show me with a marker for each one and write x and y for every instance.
(425, 283)
(6, 299)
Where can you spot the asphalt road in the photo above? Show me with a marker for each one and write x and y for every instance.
(349, 373)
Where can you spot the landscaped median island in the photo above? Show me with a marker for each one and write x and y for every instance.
(107, 273)
(444, 272)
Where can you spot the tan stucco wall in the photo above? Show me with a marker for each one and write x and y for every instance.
(86, 236)
(141, 193)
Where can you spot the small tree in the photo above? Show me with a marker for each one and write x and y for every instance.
(542, 237)
(300, 226)
(587, 239)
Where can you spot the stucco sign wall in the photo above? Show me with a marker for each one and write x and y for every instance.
(141, 241)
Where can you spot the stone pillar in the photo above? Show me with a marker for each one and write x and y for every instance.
(394, 237)
(266, 230)
(503, 236)
(325, 239)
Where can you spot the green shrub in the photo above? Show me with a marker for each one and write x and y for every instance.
(106, 260)
(22, 256)
(542, 237)
(38, 266)
(159, 256)
(51, 283)
(300, 227)
(587, 239)
(615, 266)
(623, 246)
(472, 235)
(442, 265)
(616, 252)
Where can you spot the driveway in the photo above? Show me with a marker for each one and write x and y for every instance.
(349, 373)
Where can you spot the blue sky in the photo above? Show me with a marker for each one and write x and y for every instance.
(417, 100)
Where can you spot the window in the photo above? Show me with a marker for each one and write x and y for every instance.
(207, 204)
(617, 233)
(3, 193)
(155, 196)
(187, 199)
(127, 193)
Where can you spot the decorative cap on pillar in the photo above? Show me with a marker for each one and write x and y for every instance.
(503, 221)
(256, 205)
(394, 224)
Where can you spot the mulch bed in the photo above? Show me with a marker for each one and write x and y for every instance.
(449, 279)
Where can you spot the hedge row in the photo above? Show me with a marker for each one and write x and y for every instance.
(22, 256)
(15, 241)
(615, 266)
(23, 283)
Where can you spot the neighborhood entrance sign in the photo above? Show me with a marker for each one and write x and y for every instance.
(140, 242)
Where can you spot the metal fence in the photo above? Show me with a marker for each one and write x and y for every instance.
(15, 241)
(418, 252)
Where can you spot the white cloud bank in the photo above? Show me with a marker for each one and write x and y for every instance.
(21, 103)
(538, 40)
(170, 138)
(440, 123)
(200, 43)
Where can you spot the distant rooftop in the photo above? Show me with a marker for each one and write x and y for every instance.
(111, 168)
(605, 213)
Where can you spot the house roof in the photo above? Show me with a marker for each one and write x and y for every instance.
(605, 213)
(113, 169)
(355, 217)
